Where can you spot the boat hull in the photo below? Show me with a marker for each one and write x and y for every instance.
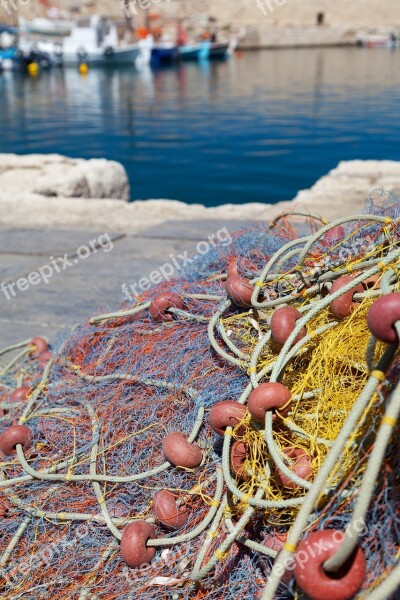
(195, 52)
(9, 59)
(219, 51)
(378, 41)
(101, 58)
(164, 56)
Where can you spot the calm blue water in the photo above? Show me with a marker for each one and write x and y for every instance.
(257, 128)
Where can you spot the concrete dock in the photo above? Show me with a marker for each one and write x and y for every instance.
(86, 284)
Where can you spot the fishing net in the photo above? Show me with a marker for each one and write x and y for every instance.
(276, 327)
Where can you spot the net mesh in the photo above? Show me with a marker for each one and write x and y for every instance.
(100, 409)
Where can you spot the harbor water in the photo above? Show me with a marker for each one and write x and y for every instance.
(256, 128)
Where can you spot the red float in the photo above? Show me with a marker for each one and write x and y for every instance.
(161, 304)
(237, 460)
(14, 435)
(382, 316)
(134, 551)
(371, 282)
(20, 394)
(44, 358)
(269, 397)
(119, 510)
(318, 584)
(239, 290)
(283, 322)
(301, 467)
(333, 236)
(275, 541)
(178, 451)
(166, 511)
(39, 346)
(225, 414)
(343, 306)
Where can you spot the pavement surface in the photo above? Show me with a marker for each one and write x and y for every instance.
(87, 282)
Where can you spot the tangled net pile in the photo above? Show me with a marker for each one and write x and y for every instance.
(231, 435)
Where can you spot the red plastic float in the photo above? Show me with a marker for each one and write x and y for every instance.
(300, 467)
(14, 435)
(371, 282)
(283, 322)
(134, 551)
(343, 306)
(237, 460)
(166, 511)
(333, 236)
(225, 414)
(119, 510)
(20, 394)
(44, 358)
(269, 396)
(178, 451)
(39, 346)
(318, 584)
(161, 304)
(239, 290)
(382, 316)
(275, 541)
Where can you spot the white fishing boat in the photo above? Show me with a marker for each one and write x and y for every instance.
(95, 44)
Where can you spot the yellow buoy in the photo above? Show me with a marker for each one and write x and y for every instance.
(83, 69)
(33, 69)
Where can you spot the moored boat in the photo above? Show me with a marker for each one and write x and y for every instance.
(164, 53)
(9, 59)
(95, 44)
(378, 41)
(200, 51)
(219, 50)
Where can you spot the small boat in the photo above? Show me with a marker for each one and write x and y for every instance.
(378, 41)
(9, 59)
(219, 50)
(95, 44)
(9, 53)
(164, 53)
(199, 51)
(44, 26)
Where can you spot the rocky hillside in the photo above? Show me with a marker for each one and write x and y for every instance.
(239, 13)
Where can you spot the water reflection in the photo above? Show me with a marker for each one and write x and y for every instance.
(256, 129)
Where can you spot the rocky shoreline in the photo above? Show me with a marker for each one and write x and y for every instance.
(52, 191)
(41, 218)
